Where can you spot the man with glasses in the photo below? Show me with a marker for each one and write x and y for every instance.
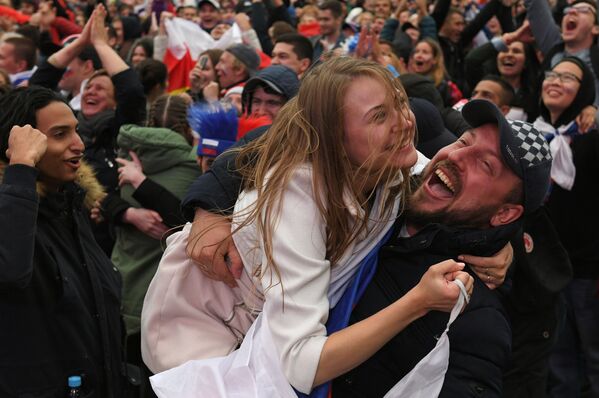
(578, 32)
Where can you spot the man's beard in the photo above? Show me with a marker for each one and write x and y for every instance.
(479, 218)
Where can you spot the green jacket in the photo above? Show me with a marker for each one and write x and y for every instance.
(170, 161)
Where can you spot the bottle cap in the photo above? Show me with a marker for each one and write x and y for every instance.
(74, 381)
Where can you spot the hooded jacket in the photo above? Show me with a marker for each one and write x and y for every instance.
(59, 293)
(168, 160)
(480, 338)
(574, 213)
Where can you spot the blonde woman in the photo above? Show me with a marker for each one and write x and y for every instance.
(427, 59)
(322, 188)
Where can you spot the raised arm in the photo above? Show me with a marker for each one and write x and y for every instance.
(481, 19)
(19, 206)
(544, 29)
(51, 70)
(111, 61)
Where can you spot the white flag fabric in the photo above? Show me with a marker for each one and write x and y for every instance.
(186, 35)
(252, 371)
(427, 377)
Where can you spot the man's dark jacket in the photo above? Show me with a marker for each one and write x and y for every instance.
(480, 338)
(59, 295)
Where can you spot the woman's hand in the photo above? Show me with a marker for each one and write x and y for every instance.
(99, 33)
(147, 221)
(162, 27)
(586, 119)
(491, 270)
(436, 290)
(211, 91)
(131, 171)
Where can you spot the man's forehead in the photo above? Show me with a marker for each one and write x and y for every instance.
(488, 132)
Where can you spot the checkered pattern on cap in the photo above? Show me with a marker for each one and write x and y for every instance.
(523, 148)
(533, 145)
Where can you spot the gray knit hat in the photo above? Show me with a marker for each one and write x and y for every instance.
(247, 56)
(524, 149)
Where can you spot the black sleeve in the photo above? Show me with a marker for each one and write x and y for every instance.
(47, 75)
(18, 217)
(440, 12)
(389, 29)
(476, 61)
(130, 99)
(46, 45)
(218, 189)
(280, 13)
(504, 16)
(113, 207)
(154, 196)
(474, 26)
(454, 121)
(259, 21)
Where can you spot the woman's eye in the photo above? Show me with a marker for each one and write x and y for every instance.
(380, 117)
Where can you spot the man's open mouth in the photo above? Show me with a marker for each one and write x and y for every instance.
(443, 183)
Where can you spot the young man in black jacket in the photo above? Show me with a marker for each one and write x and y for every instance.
(59, 293)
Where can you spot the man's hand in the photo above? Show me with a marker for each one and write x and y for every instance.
(491, 270)
(523, 34)
(26, 145)
(586, 119)
(212, 248)
(243, 21)
(147, 221)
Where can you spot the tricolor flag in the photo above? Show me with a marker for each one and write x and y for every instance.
(186, 41)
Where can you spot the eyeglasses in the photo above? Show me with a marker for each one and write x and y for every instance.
(563, 77)
(583, 9)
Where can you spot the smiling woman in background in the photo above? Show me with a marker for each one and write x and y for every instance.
(567, 89)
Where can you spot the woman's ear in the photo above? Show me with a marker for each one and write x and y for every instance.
(506, 214)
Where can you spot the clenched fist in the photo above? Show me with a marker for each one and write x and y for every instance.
(26, 145)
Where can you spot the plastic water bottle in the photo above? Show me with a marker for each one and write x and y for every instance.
(74, 387)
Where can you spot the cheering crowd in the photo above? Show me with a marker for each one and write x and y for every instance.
(292, 198)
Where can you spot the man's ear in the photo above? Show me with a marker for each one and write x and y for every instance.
(88, 67)
(595, 30)
(21, 65)
(505, 109)
(304, 64)
(506, 214)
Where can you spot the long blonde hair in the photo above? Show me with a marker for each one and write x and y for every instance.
(309, 129)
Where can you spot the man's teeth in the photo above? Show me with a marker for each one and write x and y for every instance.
(443, 177)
